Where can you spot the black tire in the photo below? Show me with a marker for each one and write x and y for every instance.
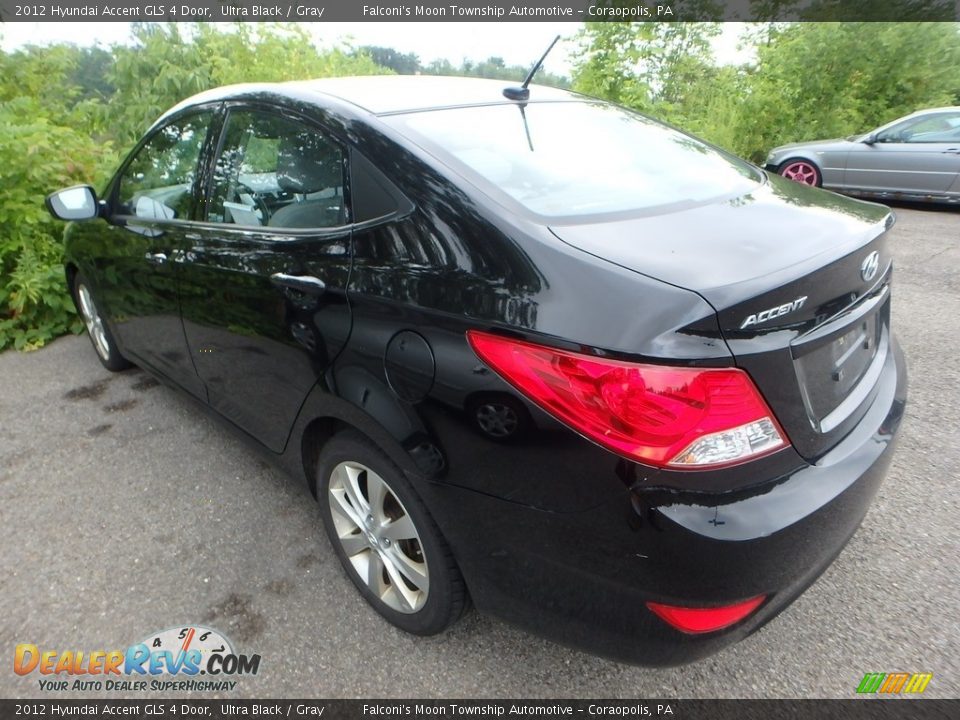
(446, 598)
(499, 416)
(801, 170)
(98, 330)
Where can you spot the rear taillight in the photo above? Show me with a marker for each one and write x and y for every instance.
(677, 417)
(695, 620)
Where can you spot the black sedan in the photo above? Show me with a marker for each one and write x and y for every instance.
(684, 366)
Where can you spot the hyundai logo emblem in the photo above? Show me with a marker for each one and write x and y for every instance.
(869, 266)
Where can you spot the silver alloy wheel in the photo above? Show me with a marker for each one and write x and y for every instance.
(379, 537)
(497, 420)
(93, 321)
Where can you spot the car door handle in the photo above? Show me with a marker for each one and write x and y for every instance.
(155, 258)
(952, 151)
(303, 283)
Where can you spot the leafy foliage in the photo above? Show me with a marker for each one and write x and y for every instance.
(810, 80)
(494, 67)
(36, 155)
(65, 109)
(645, 65)
(400, 63)
(822, 80)
(170, 62)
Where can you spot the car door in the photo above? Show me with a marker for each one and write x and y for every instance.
(152, 201)
(919, 156)
(263, 290)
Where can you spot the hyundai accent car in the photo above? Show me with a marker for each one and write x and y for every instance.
(914, 158)
(345, 270)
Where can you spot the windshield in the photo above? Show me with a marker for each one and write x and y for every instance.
(567, 159)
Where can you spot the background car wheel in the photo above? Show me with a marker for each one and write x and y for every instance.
(499, 417)
(100, 335)
(801, 171)
(385, 538)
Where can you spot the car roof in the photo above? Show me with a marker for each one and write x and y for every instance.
(950, 108)
(385, 94)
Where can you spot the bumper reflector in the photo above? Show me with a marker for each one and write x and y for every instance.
(705, 619)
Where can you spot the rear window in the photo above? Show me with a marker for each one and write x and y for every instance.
(568, 159)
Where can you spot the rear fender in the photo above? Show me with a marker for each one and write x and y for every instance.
(365, 404)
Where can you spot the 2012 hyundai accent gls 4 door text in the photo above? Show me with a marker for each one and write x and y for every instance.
(544, 354)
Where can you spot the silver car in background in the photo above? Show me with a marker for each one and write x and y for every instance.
(914, 158)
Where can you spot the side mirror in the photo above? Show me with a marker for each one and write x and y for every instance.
(74, 203)
(870, 139)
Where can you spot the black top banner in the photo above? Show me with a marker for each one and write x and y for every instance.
(483, 11)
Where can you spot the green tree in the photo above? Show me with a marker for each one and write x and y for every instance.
(37, 156)
(169, 62)
(400, 63)
(645, 65)
(818, 80)
(40, 74)
(494, 68)
(41, 149)
(64, 109)
(888, 10)
(91, 72)
(811, 80)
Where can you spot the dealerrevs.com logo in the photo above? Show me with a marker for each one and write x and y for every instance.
(170, 660)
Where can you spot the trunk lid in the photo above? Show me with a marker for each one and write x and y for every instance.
(801, 299)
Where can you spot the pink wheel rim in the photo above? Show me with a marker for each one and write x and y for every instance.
(801, 172)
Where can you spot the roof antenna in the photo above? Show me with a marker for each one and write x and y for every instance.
(522, 93)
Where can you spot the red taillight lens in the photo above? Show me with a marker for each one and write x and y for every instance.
(703, 620)
(678, 417)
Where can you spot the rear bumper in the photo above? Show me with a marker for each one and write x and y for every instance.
(583, 578)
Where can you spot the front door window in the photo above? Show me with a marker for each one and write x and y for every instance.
(277, 172)
(158, 184)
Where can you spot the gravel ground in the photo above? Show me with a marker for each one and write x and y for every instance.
(126, 509)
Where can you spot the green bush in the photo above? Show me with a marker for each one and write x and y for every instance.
(810, 80)
(64, 109)
(36, 157)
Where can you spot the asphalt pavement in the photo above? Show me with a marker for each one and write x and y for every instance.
(125, 509)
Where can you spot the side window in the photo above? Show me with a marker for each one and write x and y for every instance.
(372, 193)
(158, 183)
(277, 172)
(936, 128)
(942, 127)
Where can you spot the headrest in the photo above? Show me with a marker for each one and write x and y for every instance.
(306, 163)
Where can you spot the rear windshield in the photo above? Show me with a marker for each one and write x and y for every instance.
(567, 159)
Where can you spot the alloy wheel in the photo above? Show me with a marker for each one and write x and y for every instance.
(801, 172)
(93, 321)
(378, 537)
